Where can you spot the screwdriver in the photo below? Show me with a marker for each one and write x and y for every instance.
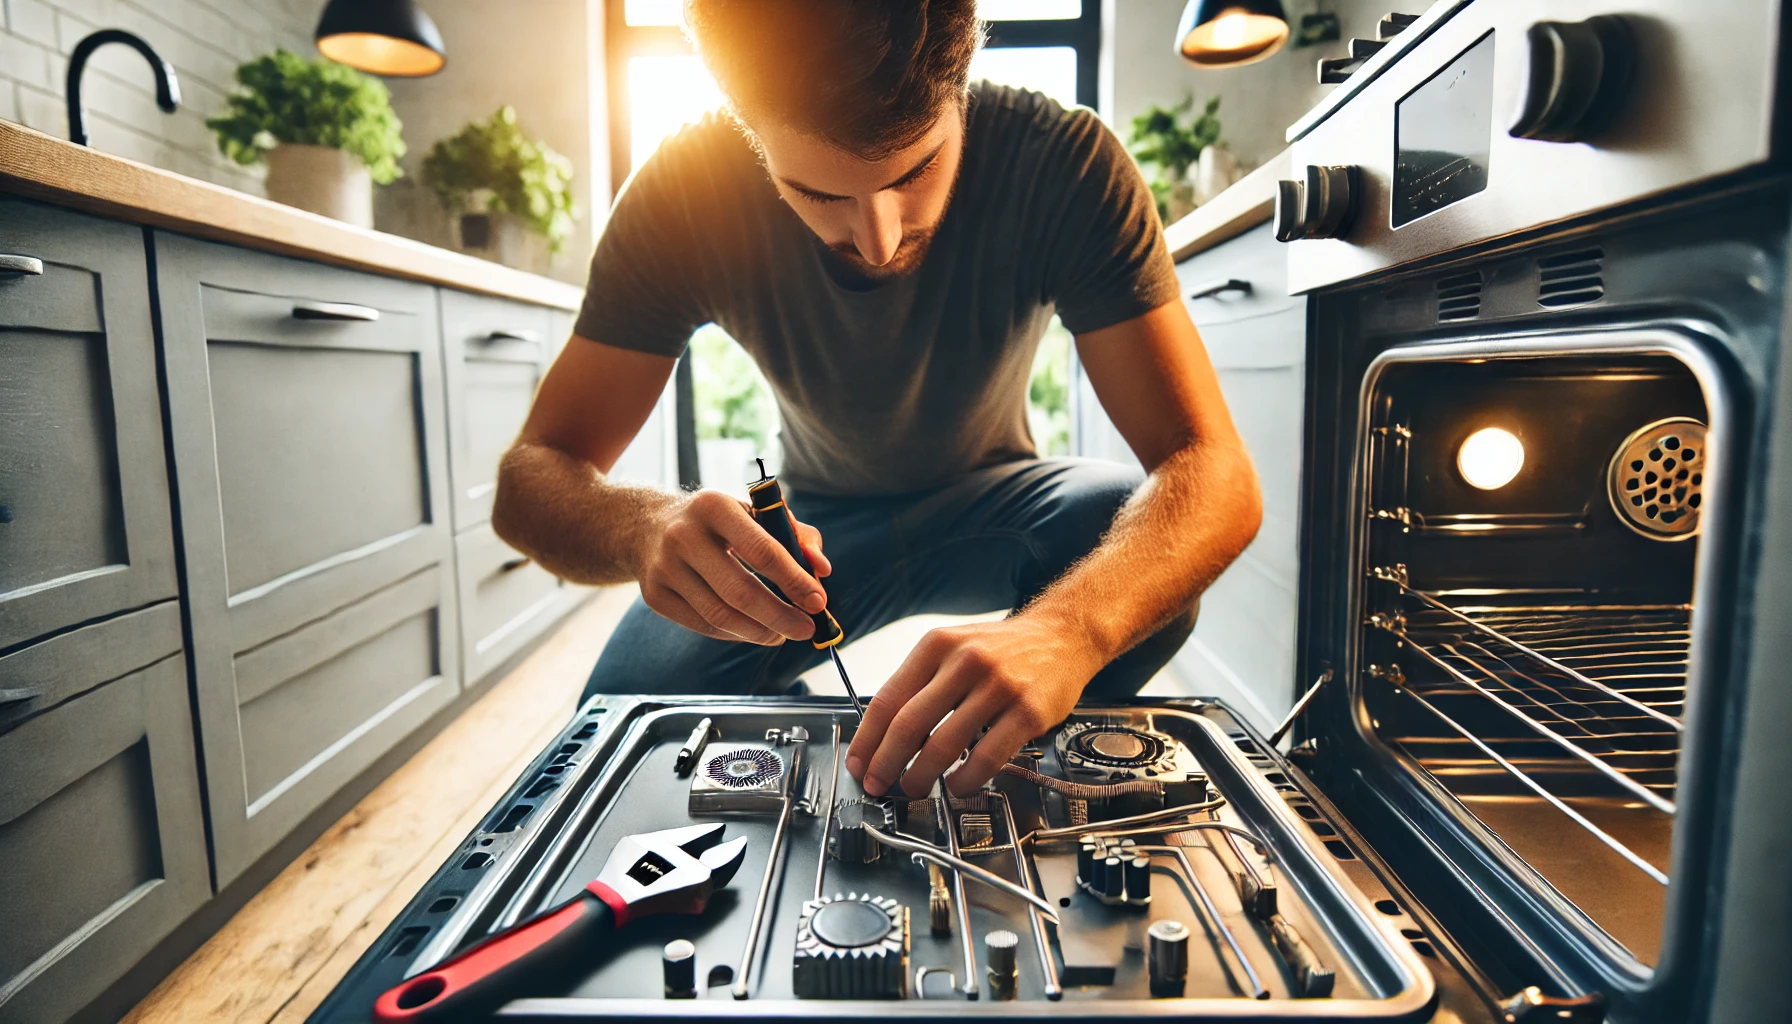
(770, 512)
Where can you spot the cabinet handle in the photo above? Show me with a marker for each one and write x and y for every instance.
(17, 696)
(12, 265)
(513, 564)
(1213, 289)
(334, 311)
(506, 334)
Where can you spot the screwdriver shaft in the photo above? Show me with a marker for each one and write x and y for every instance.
(858, 706)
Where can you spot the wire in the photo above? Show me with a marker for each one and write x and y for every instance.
(1086, 790)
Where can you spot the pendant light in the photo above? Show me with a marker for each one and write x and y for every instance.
(1228, 33)
(381, 37)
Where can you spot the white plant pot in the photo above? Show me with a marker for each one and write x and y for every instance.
(323, 180)
(726, 463)
(1215, 172)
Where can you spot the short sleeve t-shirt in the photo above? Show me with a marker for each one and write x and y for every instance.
(909, 384)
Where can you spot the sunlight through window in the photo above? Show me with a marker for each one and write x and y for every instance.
(665, 93)
(1047, 69)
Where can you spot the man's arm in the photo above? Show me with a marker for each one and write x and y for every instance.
(1198, 508)
(555, 504)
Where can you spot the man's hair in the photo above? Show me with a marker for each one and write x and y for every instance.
(867, 76)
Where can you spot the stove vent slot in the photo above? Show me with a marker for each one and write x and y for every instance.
(1570, 278)
(1459, 297)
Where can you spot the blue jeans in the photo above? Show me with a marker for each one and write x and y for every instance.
(989, 541)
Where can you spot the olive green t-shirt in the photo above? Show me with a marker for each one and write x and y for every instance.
(911, 383)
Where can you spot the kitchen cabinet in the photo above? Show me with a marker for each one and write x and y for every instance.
(309, 448)
(494, 352)
(506, 600)
(84, 513)
(1243, 646)
(101, 831)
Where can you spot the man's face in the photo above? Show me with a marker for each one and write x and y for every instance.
(877, 215)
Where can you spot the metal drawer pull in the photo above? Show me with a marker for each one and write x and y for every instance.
(18, 696)
(333, 311)
(506, 334)
(1213, 289)
(20, 266)
(513, 564)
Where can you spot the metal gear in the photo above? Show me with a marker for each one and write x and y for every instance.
(854, 946)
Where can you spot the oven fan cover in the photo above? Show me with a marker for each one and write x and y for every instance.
(744, 778)
(1657, 479)
(1118, 751)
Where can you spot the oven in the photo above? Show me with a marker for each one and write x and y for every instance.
(1544, 248)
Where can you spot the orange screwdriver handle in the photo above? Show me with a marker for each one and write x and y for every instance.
(770, 512)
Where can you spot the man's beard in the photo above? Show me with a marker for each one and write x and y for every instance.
(908, 256)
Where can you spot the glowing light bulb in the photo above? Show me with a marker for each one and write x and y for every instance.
(1231, 29)
(1489, 458)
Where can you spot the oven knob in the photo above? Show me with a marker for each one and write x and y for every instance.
(1322, 206)
(1579, 75)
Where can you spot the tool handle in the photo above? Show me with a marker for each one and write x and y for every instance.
(770, 512)
(513, 963)
(1312, 979)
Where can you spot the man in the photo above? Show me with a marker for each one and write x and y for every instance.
(888, 242)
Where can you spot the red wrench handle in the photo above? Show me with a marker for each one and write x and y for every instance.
(513, 963)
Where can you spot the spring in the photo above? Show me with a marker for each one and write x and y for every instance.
(1085, 790)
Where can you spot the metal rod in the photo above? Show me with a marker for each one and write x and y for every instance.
(772, 863)
(1668, 720)
(858, 706)
(1640, 792)
(1073, 831)
(1299, 708)
(967, 942)
(827, 817)
(1206, 905)
(1619, 848)
(1048, 965)
(928, 851)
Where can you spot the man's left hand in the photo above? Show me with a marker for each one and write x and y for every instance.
(1019, 676)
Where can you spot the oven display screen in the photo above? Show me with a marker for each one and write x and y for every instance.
(1443, 131)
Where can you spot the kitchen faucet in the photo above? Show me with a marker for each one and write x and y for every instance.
(167, 86)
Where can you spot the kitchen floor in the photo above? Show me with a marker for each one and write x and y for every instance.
(277, 959)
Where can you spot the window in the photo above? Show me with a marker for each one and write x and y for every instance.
(657, 85)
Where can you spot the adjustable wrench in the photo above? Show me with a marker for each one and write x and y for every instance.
(673, 871)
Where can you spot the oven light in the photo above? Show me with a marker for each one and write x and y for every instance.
(1490, 458)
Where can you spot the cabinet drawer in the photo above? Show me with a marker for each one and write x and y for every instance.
(495, 352)
(309, 446)
(505, 600)
(102, 840)
(1255, 258)
(40, 677)
(84, 512)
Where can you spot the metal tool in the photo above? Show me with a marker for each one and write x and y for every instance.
(967, 944)
(1312, 979)
(678, 962)
(773, 516)
(1205, 904)
(693, 747)
(796, 737)
(668, 872)
(928, 852)
(827, 817)
(1047, 965)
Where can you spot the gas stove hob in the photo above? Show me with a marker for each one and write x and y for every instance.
(1189, 872)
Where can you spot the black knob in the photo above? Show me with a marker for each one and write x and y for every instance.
(1393, 24)
(1579, 75)
(1333, 70)
(1322, 206)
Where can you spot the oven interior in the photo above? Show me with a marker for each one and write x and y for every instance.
(1526, 606)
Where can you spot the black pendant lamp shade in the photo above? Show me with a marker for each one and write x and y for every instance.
(1227, 33)
(381, 37)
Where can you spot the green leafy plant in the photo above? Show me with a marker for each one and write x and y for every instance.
(284, 97)
(493, 164)
(732, 396)
(1048, 391)
(1161, 140)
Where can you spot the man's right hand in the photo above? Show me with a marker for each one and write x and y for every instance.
(692, 572)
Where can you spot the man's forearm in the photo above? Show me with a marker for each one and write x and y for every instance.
(1193, 515)
(562, 512)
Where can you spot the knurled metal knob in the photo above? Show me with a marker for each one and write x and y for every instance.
(999, 950)
(1167, 957)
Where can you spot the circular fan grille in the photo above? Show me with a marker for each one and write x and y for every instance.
(1117, 746)
(1657, 479)
(741, 769)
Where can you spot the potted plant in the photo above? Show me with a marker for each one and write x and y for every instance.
(326, 131)
(735, 412)
(1161, 139)
(497, 182)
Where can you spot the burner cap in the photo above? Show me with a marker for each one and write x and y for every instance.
(1117, 745)
(846, 924)
(1113, 746)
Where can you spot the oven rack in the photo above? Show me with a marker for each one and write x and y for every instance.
(1601, 686)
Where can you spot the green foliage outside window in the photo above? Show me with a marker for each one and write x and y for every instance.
(1048, 393)
(491, 162)
(1163, 142)
(284, 97)
(733, 398)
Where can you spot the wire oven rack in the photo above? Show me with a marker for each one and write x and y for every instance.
(1601, 687)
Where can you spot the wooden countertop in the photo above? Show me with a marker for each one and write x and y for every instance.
(39, 166)
(1249, 202)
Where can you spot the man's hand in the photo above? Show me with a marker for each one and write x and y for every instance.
(691, 572)
(1019, 676)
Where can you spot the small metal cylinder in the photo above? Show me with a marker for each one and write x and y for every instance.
(1113, 877)
(999, 949)
(1085, 861)
(1167, 957)
(1138, 880)
(680, 963)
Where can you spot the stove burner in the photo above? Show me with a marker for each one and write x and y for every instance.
(1116, 746)
(853, 946)
(745, 768)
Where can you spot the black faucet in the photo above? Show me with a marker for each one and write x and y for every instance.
(167, 86)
